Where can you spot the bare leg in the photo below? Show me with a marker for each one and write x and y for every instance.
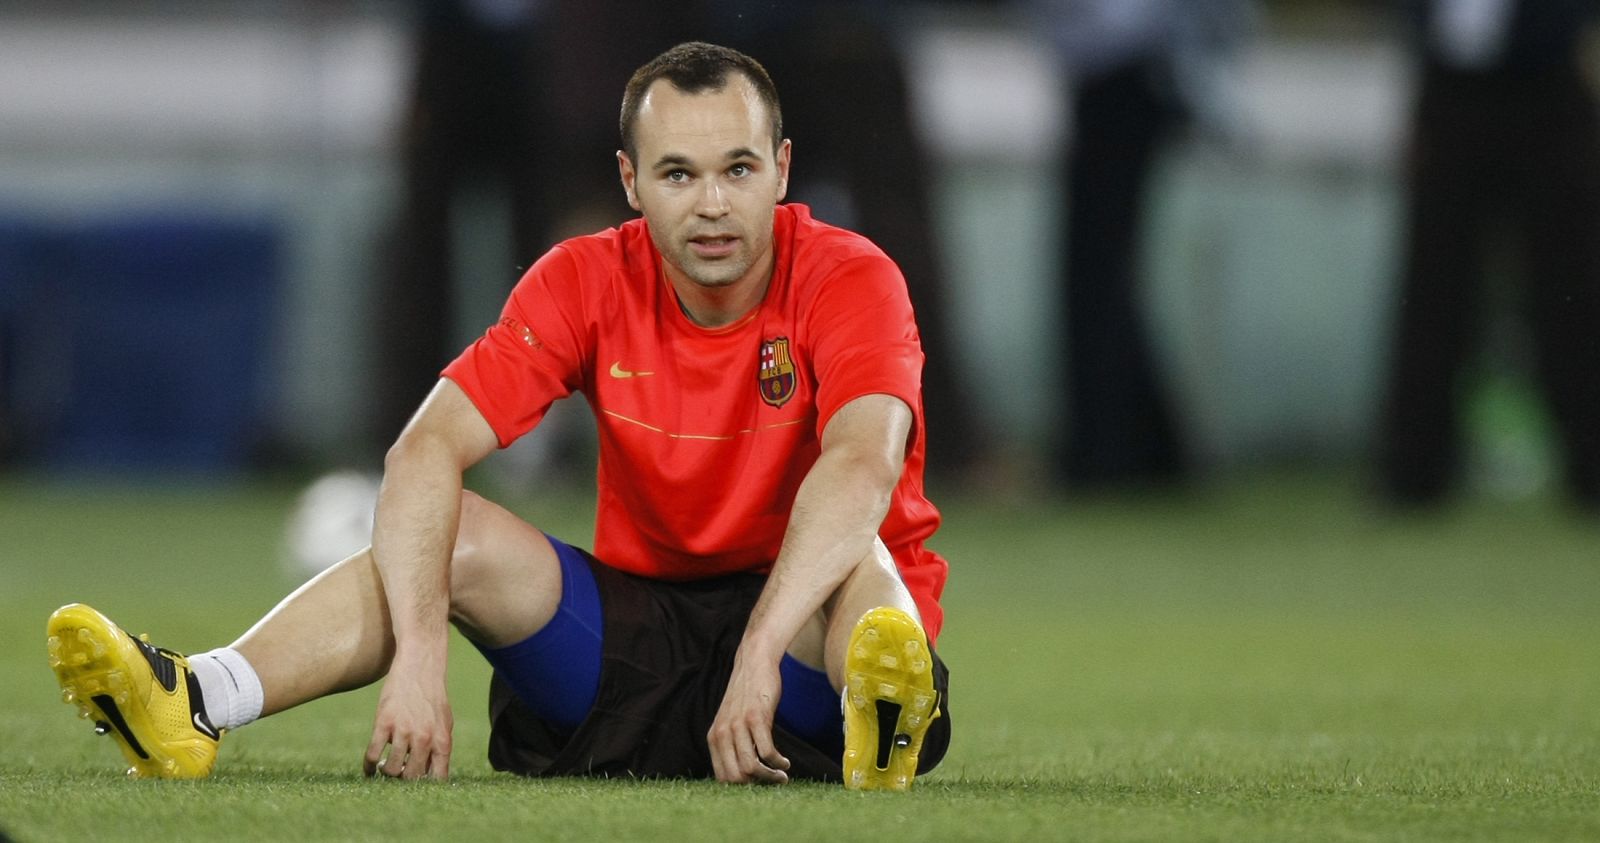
(333, 633)
(874, 582)
(329, 635)
(892, 699)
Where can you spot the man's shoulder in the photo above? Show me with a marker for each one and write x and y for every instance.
(821, 251)
(624, 248)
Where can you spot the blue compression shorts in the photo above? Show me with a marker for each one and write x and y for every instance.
(556, 671)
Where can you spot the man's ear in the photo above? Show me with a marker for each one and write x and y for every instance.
(785, 149)
(625, 170)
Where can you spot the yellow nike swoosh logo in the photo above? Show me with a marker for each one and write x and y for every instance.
(618, 372)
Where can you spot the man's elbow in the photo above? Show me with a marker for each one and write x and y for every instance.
(873, 468)
(416, 448)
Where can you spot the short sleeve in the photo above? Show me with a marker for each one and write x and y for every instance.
(864, 338)
(533, 355)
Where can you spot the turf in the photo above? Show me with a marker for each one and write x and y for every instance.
(1266, 660)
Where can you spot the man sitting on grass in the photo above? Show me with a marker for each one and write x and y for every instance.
(760, 604)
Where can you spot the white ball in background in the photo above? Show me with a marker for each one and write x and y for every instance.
(331, 520)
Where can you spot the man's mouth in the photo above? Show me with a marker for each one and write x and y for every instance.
(713, 246)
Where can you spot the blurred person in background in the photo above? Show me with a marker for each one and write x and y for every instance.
(1138, 71)
(508, 101)
(1504, 152)
(476, 117)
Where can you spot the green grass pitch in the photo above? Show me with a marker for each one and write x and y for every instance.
(1268, 660)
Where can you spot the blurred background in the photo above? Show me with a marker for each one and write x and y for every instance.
(1210, 290)
(241, 237)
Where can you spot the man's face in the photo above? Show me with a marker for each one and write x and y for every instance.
(707, 180)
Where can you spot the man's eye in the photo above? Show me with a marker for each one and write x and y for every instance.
(739, 170)
(677, 176)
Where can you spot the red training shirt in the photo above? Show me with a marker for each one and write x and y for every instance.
(706, 433)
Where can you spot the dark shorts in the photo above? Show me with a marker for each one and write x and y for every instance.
(666, 655)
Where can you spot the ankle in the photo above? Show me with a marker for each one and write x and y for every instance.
(229, 687)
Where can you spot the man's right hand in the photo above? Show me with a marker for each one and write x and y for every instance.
(413, 537)
(415, 723)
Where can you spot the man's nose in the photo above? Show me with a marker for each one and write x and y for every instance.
(713, 201)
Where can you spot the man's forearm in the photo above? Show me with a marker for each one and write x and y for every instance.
(837, 512)
(414, 532)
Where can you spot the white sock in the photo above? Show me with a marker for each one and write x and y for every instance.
(229, 687)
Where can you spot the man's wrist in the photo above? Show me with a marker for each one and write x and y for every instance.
(761, 646)
(420, 650)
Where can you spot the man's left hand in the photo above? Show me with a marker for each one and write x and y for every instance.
(741, 735)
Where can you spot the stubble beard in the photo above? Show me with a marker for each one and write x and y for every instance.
(715, 275)
(712, 274)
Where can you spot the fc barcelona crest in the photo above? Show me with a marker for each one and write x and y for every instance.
(776, 375)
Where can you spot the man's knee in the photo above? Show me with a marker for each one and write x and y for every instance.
(881, 560)
(504, 579)
(876, 573)
(468, 558)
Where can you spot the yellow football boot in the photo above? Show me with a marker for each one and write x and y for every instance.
(889, 700)
(143, 696)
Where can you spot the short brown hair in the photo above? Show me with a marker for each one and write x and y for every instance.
(694, 67)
